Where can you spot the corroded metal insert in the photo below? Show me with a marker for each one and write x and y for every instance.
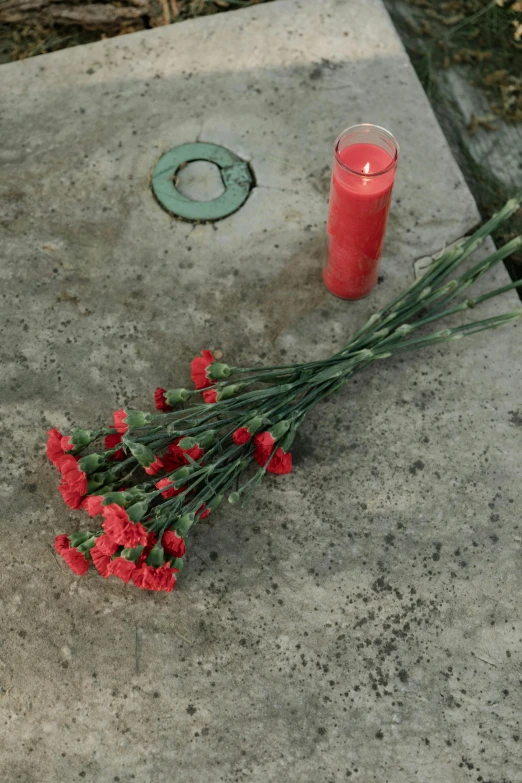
(235, 174)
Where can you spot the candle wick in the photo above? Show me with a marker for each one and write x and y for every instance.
(366, 168)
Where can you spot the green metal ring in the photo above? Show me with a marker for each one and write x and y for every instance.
(235, 174)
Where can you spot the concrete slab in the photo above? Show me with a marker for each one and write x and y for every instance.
(360, 620)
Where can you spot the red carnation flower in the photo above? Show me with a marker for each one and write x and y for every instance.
(154, 467)
(161, 402)
(263, 445)
(106, 546)
(160, 579)
(72, 475)
(280, 463)
(121, 568)
(92, 504)
(119, 423)
(241, 436)
(66, 443)
(210, 396)
(121, 529)
(71, 496)
(111, 441)
(101, 561)
(171, 492)
(176, 457)
(173, 544)
(198, 369)
(76, 561)
(61, 543)
(54, 446)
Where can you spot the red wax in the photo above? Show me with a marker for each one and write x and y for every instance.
(357, 216)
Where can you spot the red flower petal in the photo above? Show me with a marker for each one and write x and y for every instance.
(173, 544)
(70, 495)
(241, 436)
(198, 367)
(93, 505)
(111, 441)
(263, 445)
(158, 579)
(61, 543)
(66, 443)
(210, 396)
(121, 568)
(76, 561)
(106, 545)
(101, 561)
(120, 425)
(121, 529)
(54, 448)
(154, 467)
(171, 492)
(160, 401)
(280, 463)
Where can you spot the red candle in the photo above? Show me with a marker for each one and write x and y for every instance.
(362, 180)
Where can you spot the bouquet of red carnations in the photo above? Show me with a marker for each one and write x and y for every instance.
(161, 473)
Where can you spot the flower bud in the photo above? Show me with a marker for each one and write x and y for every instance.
(254, 424)
(136, 419)
(81, 438)
(214, 503)
(137, 511)
(218, 370)
(227, 392)
(95, 481)
(181, 474)
(91, 463)
(234, 498)
(118, 498)
(76, 539)
(187, 443)
(287, 441)
(143, 454)
(175, 396)
(279, 429)
(132, 554)
(87, 545)
(184, 524)
(156, 556)
(206, 439)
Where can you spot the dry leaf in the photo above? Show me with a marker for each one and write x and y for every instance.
(481, 122)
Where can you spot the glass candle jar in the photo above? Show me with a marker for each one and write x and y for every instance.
(365, 160)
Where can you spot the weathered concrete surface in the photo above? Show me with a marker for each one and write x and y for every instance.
(360, 620)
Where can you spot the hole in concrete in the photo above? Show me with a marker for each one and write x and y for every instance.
(199, 181)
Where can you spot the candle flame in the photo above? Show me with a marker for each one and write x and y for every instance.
(366, 168)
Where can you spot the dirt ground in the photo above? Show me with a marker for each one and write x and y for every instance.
(31, 27)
